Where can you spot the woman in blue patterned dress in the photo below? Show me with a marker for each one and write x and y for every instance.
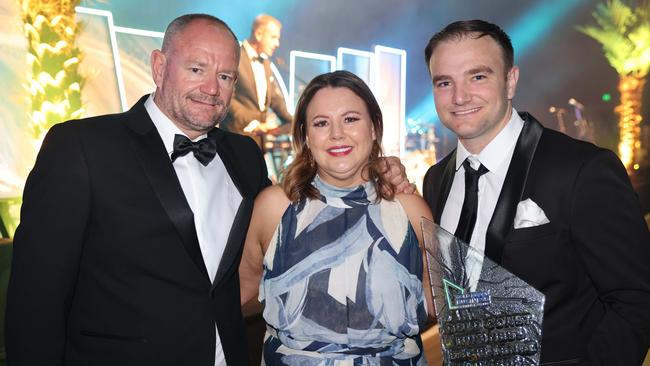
(336, 250)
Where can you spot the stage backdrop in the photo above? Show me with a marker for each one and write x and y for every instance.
(557, 63)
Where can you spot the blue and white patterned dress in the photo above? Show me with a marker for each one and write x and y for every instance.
(342, 283)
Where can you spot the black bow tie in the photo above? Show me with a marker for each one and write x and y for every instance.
(203, 150)
(259, 59)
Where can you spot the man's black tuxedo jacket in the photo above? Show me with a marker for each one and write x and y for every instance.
(107, 268)
(244, 106)
(592, 261)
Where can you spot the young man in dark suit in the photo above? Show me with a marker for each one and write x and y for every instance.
(132, 224)
(257, 90)
(559, 213)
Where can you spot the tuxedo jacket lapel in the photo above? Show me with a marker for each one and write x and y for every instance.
(445, 185)
(247, 76)
(150, 151)
(269, 81)
(233, 245)
(242, 217)
(513, 187)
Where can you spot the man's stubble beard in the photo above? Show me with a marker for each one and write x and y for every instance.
(199, 126)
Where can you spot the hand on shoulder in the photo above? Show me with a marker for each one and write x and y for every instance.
(395, 172)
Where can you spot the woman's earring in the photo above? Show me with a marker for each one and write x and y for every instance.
(311, 160)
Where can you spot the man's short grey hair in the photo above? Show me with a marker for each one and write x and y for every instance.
(178, 25)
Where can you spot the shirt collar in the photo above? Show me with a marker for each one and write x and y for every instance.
(499, 149)
(252, 54)
(166, 128)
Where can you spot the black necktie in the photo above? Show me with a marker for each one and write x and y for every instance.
(470, 204)
(204, 150)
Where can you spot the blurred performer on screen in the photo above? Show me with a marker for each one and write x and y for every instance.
(257, 90)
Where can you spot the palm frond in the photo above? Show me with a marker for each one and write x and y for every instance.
(624, 33)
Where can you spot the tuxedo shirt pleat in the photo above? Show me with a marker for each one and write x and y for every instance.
(496, 158)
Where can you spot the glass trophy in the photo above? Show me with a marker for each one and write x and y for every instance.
(487, 315)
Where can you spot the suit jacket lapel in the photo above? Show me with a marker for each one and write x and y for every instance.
(247, 75)
(445, 185)
(150, 151)
(269, 81)
(242, 217)
(513, 187)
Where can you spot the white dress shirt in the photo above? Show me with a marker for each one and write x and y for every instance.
(496, 158)
(211, 195)
(259, 73)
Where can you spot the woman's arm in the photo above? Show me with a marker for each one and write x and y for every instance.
(416, 208)
(269, 207)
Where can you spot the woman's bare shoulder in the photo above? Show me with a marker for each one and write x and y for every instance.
(413, 202)
(272, 197)
(270, 205)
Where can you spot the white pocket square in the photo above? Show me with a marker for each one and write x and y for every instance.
(529, 215)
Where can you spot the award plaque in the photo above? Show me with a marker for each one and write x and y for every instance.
(487, 315)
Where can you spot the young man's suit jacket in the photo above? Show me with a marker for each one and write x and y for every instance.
(107, 268)
(592, 261)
